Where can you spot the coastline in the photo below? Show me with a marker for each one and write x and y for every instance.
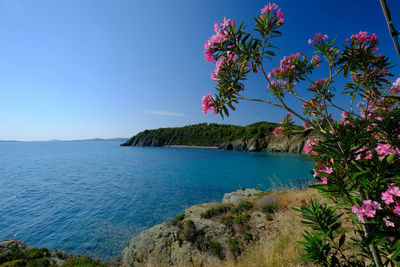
(185, 146)
(248, 227)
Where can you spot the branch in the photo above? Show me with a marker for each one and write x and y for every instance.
(260, 100)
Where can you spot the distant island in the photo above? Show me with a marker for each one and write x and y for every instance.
(254, 137)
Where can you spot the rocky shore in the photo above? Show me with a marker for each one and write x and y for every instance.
(17, 253)
(205, 234)
(269, 143)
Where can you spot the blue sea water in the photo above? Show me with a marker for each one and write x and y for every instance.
(92, 197)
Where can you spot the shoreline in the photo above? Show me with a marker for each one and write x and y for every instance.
(186, 146)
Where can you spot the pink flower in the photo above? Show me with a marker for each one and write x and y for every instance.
(328, 170)
(272, 9)
(396, 87)
(318, 38)
(286, 66)
(391, 238)
(208, 104)
(385, 150)
(324, 180)
(360, 104)
(316, 60)
(368, 209)
(387, 197)
(388, 223)
(318, 84)
(278, 131)
(359, 212)
(220, 36)
(364, 40)
(308, 146)
(394, 190)
(397, 210)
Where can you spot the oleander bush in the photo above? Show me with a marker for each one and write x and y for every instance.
(357, 157)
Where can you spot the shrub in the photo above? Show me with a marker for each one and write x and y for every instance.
(190, 231)
(217, 249)
(227, 221)
(245, 205)
(357, 158)
(234, 247)
(82, 261)
(247, 237)
(15, 263)
(213, 212)
(242, 219)
(43, 262)
(271, 208)
(177, 219)
(36, 253)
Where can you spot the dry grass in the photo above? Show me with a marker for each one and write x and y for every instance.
(278, 246)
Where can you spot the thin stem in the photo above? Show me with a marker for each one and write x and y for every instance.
(260, 100)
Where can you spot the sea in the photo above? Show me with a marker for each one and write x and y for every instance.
(92, 197)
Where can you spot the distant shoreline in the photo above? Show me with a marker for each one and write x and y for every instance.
(185, 146)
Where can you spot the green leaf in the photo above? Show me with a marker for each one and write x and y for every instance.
(341, 240)
(390, 158)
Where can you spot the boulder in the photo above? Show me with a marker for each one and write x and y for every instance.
(240, 195)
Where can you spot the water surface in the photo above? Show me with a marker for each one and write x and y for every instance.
(93, 197)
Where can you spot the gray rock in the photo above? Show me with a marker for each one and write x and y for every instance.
(7, 245)
(240, 195)
(170, 244)
(57, 257)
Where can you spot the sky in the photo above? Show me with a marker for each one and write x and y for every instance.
(74, 69)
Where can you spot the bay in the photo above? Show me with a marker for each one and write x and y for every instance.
(92, 197)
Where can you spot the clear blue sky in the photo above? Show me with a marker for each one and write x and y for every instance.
(74, 69)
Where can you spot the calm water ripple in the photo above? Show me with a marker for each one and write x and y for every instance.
(93, 197)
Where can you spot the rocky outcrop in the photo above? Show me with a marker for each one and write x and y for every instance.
(209, 233)
(269, 143)
(17, 253)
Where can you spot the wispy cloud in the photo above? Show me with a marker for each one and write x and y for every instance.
(165, 113)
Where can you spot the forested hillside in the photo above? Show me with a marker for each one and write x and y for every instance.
(202, 134)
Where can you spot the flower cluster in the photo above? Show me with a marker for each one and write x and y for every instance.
(271, 9)
(345, 118)
(385, 150)
(218, 67)
(318, 84)
(321, 169)
(395, 89)
(286, 65)
(309, 146)
(278, 131)
(220, 36)
(363, 38)
(317, 38)
(367, 209)
(363, 150)
(208, 104)
(388, 195)
(316, 60)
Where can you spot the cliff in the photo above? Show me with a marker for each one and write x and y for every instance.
(253, 138)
